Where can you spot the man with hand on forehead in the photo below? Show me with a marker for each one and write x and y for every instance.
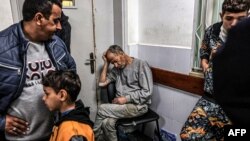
(134, 85)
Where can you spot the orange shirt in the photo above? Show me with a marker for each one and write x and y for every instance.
(67, 129)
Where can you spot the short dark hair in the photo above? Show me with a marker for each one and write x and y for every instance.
(235, 6)
(115, 49)
(31, 7)
(67, 80)
(57, 2)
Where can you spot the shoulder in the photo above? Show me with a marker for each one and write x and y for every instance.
(141, 65)
(11, 33)
(214, 29)
(140, 62)
(9, 30)
(58, 41)
(9, 38)
(57, 44)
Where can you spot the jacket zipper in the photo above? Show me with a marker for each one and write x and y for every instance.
(22, 74)
(12, 68)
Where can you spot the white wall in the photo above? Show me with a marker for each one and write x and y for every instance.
(132, 13)
(165, 35)
(166, 22)
(6, 15)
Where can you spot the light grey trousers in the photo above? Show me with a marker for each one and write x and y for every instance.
(108, 114)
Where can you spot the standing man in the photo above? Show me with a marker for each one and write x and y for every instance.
(65, 32)
(231, 75)
(28, 50)
(134, 85)
(207, 119)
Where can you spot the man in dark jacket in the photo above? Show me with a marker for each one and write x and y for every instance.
(28, 50)
(232, 75)
(207, 119)
(65, 32)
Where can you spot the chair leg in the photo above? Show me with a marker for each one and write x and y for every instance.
(143, 128)
(117, 133)
(158, 130)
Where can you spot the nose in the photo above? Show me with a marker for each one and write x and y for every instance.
(235, 21)
(43, 98)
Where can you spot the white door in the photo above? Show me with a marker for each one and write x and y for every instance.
(91, 33)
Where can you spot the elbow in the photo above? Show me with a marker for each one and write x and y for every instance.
(103, 83)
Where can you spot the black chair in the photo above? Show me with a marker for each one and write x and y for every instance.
(136, 121)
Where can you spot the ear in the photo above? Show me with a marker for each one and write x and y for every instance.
(63, 95)
(221, 16)
(38, 18)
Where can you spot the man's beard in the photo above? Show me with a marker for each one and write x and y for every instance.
(123, 66)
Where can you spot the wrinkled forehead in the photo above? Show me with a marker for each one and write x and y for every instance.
(110, 56)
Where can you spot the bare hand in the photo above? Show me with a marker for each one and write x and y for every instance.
(15, 126)
(205, 67)
(104, 57)
(214, 49)
(119, 100)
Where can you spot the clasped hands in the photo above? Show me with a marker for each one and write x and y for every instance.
(119, 100)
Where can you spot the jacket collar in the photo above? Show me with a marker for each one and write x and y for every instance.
(21, 36)
(79, 114)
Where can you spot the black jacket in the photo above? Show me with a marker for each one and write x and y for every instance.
(231, 74)
(80, 114)
(65, 32)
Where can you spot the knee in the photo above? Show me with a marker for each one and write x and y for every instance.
(109, 124)
(101, 108)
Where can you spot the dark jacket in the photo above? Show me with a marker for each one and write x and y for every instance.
(232, 74)
(74, 125)
(13, 49)
(65, 32)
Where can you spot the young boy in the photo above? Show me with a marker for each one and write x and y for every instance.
(61, 89)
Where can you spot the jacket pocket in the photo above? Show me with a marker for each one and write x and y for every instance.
(10, 69)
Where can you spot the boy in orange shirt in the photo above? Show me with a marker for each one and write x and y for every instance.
(61, 89)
